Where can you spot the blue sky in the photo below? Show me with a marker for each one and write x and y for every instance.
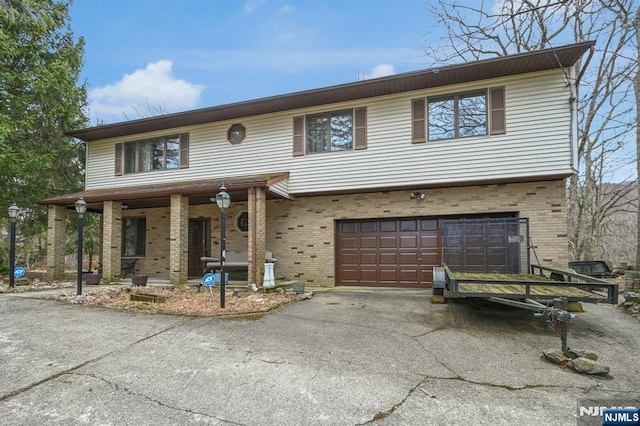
(145, 55)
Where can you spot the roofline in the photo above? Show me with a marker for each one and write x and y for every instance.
(521, 63)
(194, 187)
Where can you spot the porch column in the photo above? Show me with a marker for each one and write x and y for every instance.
(257, 235)
(111, 240)
(178, 240)
(56, 236)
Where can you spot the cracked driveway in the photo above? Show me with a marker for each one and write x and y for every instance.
(341, 358)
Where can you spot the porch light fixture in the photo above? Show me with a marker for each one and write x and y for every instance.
(81, 208)
(223, 200)
(417, 195)
(14, 211)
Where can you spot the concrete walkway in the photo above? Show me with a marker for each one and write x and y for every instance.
(341, 358)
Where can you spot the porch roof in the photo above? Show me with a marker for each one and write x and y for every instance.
(158, 195)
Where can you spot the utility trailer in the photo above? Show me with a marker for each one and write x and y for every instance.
(535, 291)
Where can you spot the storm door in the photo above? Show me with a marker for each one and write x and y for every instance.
(199, 244)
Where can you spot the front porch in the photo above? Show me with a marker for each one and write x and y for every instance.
(167, 228)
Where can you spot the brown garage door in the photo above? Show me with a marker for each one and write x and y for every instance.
(387, 253)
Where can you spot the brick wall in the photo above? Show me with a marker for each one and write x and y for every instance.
(300, 232)
(156, 262)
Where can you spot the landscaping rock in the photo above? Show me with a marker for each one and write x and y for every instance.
(555, 355)
(632, 297)
(585, 353)
(631, 304)
(588, 366)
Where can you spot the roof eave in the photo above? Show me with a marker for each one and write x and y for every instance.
(554, 58)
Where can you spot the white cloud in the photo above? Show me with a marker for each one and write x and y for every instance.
(144, 92)
(381, 70)
(286, 8)
(252, 5)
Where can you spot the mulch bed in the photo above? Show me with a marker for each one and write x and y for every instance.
(183, 300)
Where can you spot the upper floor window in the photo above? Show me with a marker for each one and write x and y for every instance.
(160, 153)
(459, 115)
(341, 130)
(152, 154)
(331, 131)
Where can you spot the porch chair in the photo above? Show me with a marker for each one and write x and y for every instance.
(128, 267)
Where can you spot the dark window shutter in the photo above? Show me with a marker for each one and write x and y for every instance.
(418, 120)
(184, 150)
(298, 136)
(498, 122)
(118, 163)
(361, 128)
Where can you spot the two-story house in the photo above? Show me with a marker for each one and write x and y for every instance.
(367, 183)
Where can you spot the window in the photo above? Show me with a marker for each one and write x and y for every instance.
(160, 153)
(134, 236)
(331, 131)
(242, 222)
(236, 134)
(344, 130)
(152, 154)
(458, 115)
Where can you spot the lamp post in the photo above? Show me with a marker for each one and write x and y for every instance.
(13, 214)
(81, 208)
(224, 201)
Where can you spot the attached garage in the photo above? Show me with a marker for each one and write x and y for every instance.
(401, 252)
(388, 252)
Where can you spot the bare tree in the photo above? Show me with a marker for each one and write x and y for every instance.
(605, 127)
(636, 85)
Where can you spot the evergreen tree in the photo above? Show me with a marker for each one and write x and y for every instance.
(40, 99)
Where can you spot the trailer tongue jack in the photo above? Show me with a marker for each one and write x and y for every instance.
(582, 361)
(559, 318)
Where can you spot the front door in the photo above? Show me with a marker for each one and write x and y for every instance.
(199, 244)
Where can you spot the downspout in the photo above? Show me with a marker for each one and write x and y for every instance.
(254, 269)
(573, 131)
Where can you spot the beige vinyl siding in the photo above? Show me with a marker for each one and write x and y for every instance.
(537, 143)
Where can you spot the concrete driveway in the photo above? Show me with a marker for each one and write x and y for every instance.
(341, 358)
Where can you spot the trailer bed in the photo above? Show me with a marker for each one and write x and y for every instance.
(543, 284)
(535, 292)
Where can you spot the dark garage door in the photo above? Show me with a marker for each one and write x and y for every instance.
(487, 245)
(387, 253)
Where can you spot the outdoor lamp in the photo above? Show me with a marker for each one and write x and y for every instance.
(224, 201)
(222, 198)
(14, 211)
(81, 208)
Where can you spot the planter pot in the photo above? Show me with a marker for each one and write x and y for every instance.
(139, 280)
(92, 279)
